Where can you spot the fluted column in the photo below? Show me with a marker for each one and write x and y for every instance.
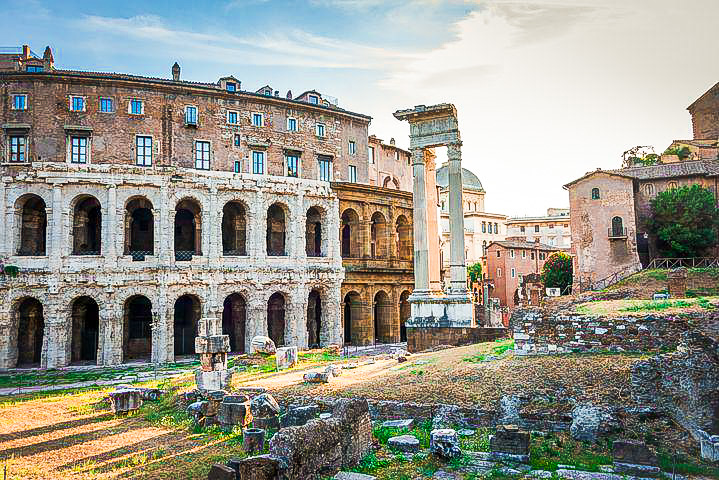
(421, 250)
(458, 268)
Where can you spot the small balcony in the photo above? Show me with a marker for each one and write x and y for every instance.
(617, 233)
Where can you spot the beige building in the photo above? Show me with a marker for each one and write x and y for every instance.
(553, 229)
(480, 228)
(389, 165)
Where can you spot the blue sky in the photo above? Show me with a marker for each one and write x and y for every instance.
(546, 89)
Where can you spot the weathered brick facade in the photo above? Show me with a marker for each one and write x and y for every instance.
(123, 244)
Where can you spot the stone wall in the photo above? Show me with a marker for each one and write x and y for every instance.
(424, 338)
(540, 332)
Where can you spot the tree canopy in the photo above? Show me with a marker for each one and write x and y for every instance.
(475, 272)
(557, 271)
(685, 221)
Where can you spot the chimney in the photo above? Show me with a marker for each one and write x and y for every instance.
(176, 72)
(277, 93)
(48, 61)
(289, 94)
(25, 52)
(391, 141)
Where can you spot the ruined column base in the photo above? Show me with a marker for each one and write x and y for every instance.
(439, 309)
(214, 380)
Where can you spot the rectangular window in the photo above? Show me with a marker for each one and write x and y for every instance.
(314, 100)
(499, 254)
(484, 227)
(257, 120)
(34, 68)
(320, 129)
(232, 118)
(396, 154)
(496, 228)
(136, 107)
(511, 254)
(551, 225)
(536, 228)
(513, 273)
(352, 148)
(237, 166)
(106, 105)
(238, 139)
(291, 124)
(202, 155)
(325, 164)
(191, 115)
(370, 152)
(231, 87)
(531, 255)
(78, 149)
(499, 272)
(258, 163)
(77, 104)
(19, 102)
(524, 254)
(292, 165)
(17, 149)
(521, 229)
(353, 174)
(143, 155)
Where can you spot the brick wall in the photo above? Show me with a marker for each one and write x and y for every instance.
(420, 338)
(538, 332)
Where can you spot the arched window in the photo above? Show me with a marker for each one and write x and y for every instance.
(87, 227)
(349, 234)
(313, 233)
(595, 193)
(276, 318)
(378, 236)
(404, 238)
(188, 230)
(276, 231)
(33, 226)
(234, 229)
(139, 229)
(617, 227)
(649, 189)
(673, 185)
(484, 248)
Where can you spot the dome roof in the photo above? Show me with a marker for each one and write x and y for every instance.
(470, 181)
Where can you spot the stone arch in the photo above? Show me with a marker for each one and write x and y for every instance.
(276, 230)
(276, 323)
(405, 312)
(391, 182)
(382, 317)
(84, 331)
(139, 227)
(31, 330)
(314, 240)
(404, 238)
(186, 314)
(86, 226)
(314, 319)
(188, 229)
(378, 235)
(137, 328)
(234, 321)
(350, 233)
(352, 319)
(234, 228)
(31, 212)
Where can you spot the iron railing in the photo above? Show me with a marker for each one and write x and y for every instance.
(184, 255)
(87, 252)
(618, 232)
(696, 262)
(139, 255)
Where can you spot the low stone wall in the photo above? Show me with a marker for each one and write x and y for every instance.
(537, 331)
(424, 338)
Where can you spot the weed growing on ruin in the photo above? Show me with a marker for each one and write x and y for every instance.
(557, 449)
(684, 466)
(479, 442)
(501, 347)
(421, 432)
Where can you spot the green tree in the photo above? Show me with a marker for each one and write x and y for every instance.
(685, 221)
(475, 272)
(557, 271)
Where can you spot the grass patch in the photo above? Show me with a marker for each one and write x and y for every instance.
(502, 346)
(657, 305)
(684, 466)
(560, 449)
(420, 431)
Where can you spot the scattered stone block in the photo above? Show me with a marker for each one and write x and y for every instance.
(642, 471)
(213, 380)
(335, 370)
(466, 432)
(126, 400)
(286, 357)
(353, 476)
(262, 467)
(253, 440)
(333, 349)
(350, 366)
(409, 423)
(444, 442)
(261, 344)
(510, 439)
(317, 377)
(195, 410)
(234, 410)
(221, 472)
(264, 405)
(325, 416)
(267, 423)
(404, 443)
(297, 416)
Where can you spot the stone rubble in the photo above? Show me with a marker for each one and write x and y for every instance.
(444, 443)
(404, 443)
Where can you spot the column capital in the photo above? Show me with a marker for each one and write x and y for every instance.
(454, 151)
(417, 155)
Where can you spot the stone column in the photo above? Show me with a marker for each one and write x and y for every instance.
(421, 250)
(458, 269)
(56, 243)
(160, 346)
(110, 337)
(214, 229)
(164, 249)
(256, 320)
(112, 235)
(332, 316)
(56, 337)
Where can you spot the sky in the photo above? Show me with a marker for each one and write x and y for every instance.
(546, 90)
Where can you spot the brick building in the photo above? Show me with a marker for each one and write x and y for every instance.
(135, 205)
(610, 209)
(552, 229)
(389, 165)
(508, 262)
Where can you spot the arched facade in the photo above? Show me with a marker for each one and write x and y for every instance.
(87, 226)
(314, 319)
(137, 328)
(188, 229)
(31, 331)
(187, 313)
(234, 319)
(139, 228)
(84, 339)
(313, 233)
(276, 322)
(378, 235)
(350, 234)
(234, 229)
(32, 214)
(276, 231)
